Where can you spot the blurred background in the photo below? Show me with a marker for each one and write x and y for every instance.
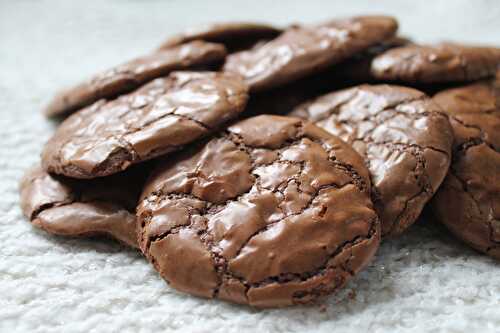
(51, 37)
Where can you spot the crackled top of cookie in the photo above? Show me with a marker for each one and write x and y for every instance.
(158, 118)
(130, 75)
(445, 62)
(273, 212)
(472, 186)
(70, 207)
(234, 35)
(303, 50)
(405, 143)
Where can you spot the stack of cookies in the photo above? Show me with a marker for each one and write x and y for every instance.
(263, 166)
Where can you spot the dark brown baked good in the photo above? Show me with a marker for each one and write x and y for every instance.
(445, 62)
(234, 35)
(405, 142)
(156, 119)
(468, 201)
(70, 207)
(273, 212)
(304, 50)
(131, 75)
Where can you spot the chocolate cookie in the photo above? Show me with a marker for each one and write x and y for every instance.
(69, 207)
(234, 35)
(273, 212)
(468, 201)
(304, 50)
(405, 142)
(445, 62)
(156, 119)
(133, 74)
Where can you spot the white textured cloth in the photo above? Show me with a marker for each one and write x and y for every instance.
(425, 281)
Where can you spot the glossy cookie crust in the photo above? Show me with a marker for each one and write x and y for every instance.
(405, 142)
(158, 118)
(70, 207)
(304, 50)
(272, 212)
(468, 202)
(445, 62)
(131, 75)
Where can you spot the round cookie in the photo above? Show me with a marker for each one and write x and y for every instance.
(156, 119)
(406, 144)
(131, 75)
(234, 35)
(468, 201)
(445, 62)
(273, 212)
(304, 50)
(69, 207)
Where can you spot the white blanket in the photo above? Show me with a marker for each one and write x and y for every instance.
(425, 281)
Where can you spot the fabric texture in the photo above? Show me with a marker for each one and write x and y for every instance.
(424, 281)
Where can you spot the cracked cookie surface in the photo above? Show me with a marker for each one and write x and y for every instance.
(468, 202)
(304, 50)
(273, 212)
(131, 75)
(445, 62)
(405, 143)
(70, 207)
(156, 119)
(234, 35)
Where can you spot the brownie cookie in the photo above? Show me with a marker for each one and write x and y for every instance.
(468, 201)
(304, 50)
(133, 74)
(234, 35)
(273, 212)
(405, 143)
(156, 119)
(69, 207)
(445, 62)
